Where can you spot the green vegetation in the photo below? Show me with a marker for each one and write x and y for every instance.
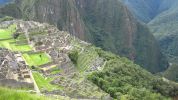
(171, 73)
(161, 17)
(21, 47)
(7, 40)
(37, 59)
(166, 32)
(55, 70)
(124, 80)
(6, 43)
(85, 58)
(44, 83)
(13, 46)
(6, 18)
(164, 27)
(10, 94)
(73, 55)
(7, 33)
(145, 10)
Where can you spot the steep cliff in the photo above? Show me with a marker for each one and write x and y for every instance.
(163, 23)
(107, 24)
(112, 27)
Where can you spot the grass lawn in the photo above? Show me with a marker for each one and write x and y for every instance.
(6, 34)
(5, 43)
(20, 47)
(44, 82)
(55, 70)
(14, 47)
(10, 94)
(36, 59)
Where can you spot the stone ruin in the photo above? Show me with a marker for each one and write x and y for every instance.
(55, 43)
(13, 71)
(49, 39)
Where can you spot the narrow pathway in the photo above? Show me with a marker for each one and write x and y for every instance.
(49, 67)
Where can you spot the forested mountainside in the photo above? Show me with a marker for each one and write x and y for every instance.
(163, 25)
(171, 73)
(144, 10)
(105, 23)
(147, 10)
(37, 57)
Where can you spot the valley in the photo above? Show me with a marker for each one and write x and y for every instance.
(163, 24)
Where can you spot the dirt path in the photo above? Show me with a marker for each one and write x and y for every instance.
(48, 67)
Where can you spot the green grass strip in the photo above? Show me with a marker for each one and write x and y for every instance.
(10, 94)
(36, 59)
(44, 82)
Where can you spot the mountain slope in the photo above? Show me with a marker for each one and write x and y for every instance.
(144, 10)
(171, 73)
(147, 10)
(164, 23)
(163, 26)
(107, 24)
(165, 30)
(63, 65)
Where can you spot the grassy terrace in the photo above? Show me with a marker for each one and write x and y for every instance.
(85, 58)
(10, 94)
(32, 59)
(7, 33)
(55, 71)
(44, 82)
(36, 59)
(7, 40)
